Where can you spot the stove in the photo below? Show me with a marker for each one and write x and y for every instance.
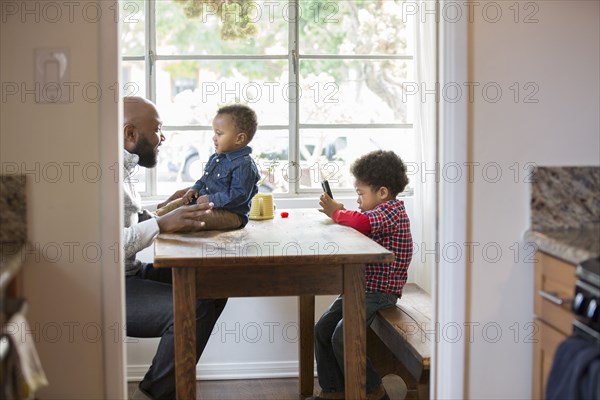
(586, 301)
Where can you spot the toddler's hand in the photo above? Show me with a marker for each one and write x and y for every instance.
(329, 205)
(202, 199)
(189, 196)
(177, 195)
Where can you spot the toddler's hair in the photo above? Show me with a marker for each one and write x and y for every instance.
(381, 168)
(244, 118)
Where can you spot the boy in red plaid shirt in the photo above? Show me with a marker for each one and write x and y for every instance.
(379, 177)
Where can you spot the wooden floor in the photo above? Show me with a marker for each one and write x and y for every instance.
(250, 389)
(271, 389)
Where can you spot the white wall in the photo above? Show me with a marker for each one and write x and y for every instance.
(560, 55)
(67, 210)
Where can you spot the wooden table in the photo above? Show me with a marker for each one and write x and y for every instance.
(303, 255)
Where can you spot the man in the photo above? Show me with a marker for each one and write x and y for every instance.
(149, 297)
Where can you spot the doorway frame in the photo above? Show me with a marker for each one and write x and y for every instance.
(449, 279)
(449, 374)
(111, 206)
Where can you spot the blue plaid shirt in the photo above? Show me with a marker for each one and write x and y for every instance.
(230, 180)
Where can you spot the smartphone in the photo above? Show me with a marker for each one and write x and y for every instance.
(326, 188)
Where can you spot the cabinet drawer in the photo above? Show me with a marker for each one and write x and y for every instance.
(545, 344)
(554, 282)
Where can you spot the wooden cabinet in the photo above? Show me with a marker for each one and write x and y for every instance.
(554, 285)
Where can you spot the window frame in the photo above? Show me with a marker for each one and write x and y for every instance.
(294, 126)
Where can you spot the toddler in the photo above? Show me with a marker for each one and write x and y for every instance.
(231, 175)
(379, 177)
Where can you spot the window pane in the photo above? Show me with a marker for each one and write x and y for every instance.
(353, 27)
(270, 151)
(133, 80)
(190, 92)
(132, 20)
(354, 91)
(192, 27)
(181, 160)
(328, 153)
(184, 154)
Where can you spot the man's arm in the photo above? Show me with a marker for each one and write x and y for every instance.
(139, 236)
(185, 218)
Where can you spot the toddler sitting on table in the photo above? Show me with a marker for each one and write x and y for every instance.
(231, 175)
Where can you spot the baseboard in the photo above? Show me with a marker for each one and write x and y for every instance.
(225, 371)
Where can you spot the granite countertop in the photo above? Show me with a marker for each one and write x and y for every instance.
(13, 214)
(13, 226)
(11, 258)
(571, 245)
(565, 212)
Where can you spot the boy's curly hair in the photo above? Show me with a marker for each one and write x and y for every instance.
(381, 168)
(244, 118)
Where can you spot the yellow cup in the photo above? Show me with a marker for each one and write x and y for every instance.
(262, 206)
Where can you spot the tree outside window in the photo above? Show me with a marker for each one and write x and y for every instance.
(325, 78)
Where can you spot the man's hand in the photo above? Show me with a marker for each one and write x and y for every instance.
(329, 205)
(189, 196)
(177, 195)
(185, 218)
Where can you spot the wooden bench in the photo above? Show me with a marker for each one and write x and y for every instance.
(400, 341)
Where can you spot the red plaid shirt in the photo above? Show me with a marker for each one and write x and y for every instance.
(389, 226)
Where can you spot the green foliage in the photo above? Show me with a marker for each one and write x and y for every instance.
(183, 69)
(236, 24)
(224, 27)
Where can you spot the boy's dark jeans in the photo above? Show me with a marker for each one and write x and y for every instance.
(329, 343)
(149, 309)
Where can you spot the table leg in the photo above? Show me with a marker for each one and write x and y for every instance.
(306, 318)
(355, 332)
(184, 309)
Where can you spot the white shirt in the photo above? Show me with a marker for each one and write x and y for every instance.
(141, 227)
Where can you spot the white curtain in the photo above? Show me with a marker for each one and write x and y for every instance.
(424, 179)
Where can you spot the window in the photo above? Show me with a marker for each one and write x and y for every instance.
(325, 78)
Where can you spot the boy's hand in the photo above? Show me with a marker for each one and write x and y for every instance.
(329, 205)
(202, 199)
(189, 196)
(177, 195)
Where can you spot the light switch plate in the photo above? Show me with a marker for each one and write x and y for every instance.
(52, 70)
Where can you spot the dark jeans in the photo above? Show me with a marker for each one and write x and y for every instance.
(149, 309)
(329, 343)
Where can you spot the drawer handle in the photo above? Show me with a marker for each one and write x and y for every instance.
(553, 297)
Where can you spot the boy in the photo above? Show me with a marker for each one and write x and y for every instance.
(230, 177)
(379, 177)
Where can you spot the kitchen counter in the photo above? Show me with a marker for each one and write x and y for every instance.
(565, 212)
(11, 259)
(565, 227)
(13, 214)
(571, 245)
(13, 227)
(13, 237)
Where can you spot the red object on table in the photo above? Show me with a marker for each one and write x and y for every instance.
(285, 214)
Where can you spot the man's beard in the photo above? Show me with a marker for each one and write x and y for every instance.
(147, 153)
